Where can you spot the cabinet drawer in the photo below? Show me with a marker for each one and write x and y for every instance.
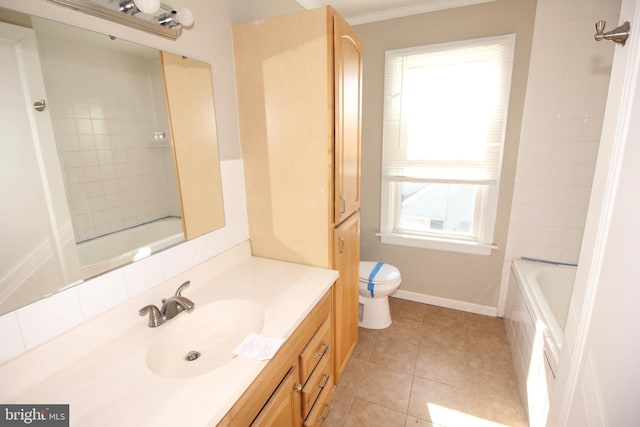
(320, 378)
(320, 410)
(317, 347)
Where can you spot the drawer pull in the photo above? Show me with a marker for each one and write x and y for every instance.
(325, 414)
(298, 388)
(324, 349)
(324, 383)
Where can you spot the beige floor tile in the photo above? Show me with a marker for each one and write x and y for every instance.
(366, 342)
(417, 422)
(441, 364)
(409, 330)
(433, 367)
(487, 410)
(404, 309)
(437, 402)
(445, 316)
(449, 337)
(498, 382)
(371, 415)
(382, 386)
(487, 347)
(339, 408)
(395, 353)
(351, 377)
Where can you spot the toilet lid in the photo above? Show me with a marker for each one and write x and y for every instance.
(387, 273)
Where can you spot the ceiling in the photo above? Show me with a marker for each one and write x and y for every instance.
(363, 11)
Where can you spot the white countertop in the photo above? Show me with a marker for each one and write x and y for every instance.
(99, 368)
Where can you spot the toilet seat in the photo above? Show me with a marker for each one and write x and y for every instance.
(387, 275)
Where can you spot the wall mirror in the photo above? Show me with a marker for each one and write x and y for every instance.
(92, 145)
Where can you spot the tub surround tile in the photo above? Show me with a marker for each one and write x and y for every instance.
(566, 98)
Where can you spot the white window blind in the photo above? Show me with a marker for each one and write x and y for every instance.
(445, 111)
(445, 116)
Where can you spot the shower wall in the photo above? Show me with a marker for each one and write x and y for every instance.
(106, 106)
(564, 109)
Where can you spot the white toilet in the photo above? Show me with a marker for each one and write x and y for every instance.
(377, 282)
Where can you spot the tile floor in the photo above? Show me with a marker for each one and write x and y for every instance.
(432, 367)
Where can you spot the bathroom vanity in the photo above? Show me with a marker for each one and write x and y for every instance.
(101, 368)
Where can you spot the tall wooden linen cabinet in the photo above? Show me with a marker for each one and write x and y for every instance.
(299, 83)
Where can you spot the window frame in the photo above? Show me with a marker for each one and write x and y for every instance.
(481, 240)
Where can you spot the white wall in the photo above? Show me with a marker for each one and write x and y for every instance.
(209, 40)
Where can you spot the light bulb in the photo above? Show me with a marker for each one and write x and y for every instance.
(147, 6)
(184, 17)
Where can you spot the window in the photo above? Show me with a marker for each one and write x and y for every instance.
(444, 122)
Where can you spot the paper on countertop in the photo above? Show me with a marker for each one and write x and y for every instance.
(258, 347)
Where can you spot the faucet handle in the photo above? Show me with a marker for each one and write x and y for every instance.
(181, 288)
(155, 317)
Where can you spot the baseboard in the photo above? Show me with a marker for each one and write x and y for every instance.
(447, 303)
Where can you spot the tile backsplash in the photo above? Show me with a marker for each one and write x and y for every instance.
(36, 323)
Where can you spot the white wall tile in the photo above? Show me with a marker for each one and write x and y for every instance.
(49, 317)
(566, 96)
(143, 275)
(176, 260)
(12, 344)
(102, 293)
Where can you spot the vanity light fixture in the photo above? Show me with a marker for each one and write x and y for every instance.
(147, 15)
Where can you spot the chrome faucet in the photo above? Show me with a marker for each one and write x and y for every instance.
(170, 308)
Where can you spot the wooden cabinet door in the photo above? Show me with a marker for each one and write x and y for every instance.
(345, 303)
(283, 408)
(348, 95)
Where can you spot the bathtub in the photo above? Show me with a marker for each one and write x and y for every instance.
(116, 249)
(535, 318)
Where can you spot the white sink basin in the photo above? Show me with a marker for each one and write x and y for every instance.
(207, 335)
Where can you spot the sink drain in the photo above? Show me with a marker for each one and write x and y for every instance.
(192, 355)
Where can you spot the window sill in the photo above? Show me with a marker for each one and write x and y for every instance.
(450, 245)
